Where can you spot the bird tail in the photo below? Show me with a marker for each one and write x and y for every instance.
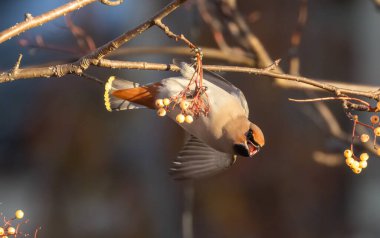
(122, 94)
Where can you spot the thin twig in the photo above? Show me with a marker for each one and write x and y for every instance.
(172, 35)
(17, 65)
(32, 22)
(93, 78)
(329, 99)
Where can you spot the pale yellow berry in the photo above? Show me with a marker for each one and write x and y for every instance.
(189, 119)
(19, 214)
(350, 161)
(166, 101)
(184, 105)
(355, 117)
(364, 157)
(161, 112)
(11, 230)
(364, 138)
(355, 164)
(4, 237)
(378, 151)
(374, 119)
(1, 231)
(159, 103)
(357, 170)
(180, 118)
(377, 131)
(363, 164)
(347, 153)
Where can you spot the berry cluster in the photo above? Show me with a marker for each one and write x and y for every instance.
(183, 116)
(8, 230)
(357, 164)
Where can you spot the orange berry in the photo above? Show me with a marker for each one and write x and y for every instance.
(184, 105)
(363, 164)
(159, 103)
(377, 131)
(11, 230)
(350, 161)
(355, 117)
(166, 101)
(161, 112)
(19, 214)
(374, 119)
(347, 153)
(364, 138)
(189, 119)
(364, 157)
(378, 151)
(355, 164)
(378, 106)
(180, 118)
(357, 170)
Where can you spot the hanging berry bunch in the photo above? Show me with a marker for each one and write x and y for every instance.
(358, 163)
(10, 229)
(192, 100)
(184, 116)
(355, 162)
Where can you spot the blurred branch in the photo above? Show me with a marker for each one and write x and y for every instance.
(295, 41)
(240, 30)
(32, 22)
(209, 53)
(187, 213)
(377, 2)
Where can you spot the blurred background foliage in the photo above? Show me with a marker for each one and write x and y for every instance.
(79, 171)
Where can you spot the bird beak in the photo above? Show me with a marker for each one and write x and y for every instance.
(246, 149)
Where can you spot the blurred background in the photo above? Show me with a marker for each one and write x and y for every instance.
(79, 171)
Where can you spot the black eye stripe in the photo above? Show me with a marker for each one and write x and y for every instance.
(249, 136)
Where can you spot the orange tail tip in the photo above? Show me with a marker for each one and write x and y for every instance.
(114, 103)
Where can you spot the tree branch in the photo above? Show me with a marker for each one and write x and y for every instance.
(32, 22)
(124, 38)
(61, 70)
(92, 58)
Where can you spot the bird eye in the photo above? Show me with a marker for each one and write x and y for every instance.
(249, 135)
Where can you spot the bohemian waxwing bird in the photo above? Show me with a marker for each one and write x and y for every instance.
(216, 139)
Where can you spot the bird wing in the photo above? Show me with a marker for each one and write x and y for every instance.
(188, 71)
(197, 160)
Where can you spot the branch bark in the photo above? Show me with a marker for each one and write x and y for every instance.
(32, 22)
(64, 69)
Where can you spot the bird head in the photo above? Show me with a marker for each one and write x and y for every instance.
(250, 142)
